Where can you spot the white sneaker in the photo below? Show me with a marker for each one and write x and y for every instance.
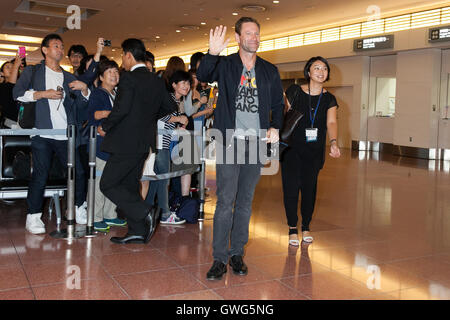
(81, 213)
(34, 223)
(172, 219)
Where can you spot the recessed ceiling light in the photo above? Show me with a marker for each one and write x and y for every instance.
(267, 18)
(157, 37)
(113, 50)
(254, 8)
(203, 23)
(276, 1)
(177, 30)
(234, 13)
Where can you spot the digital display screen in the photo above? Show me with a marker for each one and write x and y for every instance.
(440, 34)
(374, 43)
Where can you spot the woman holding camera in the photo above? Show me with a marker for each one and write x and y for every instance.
(302, 162)
(9, 109)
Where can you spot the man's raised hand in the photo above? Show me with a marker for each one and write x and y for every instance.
(217, 40)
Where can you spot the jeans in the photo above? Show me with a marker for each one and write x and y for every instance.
(236, 185)
(159, 187)
(42, 151)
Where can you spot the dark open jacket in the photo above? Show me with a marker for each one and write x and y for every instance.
(227, 71)
(73, 101)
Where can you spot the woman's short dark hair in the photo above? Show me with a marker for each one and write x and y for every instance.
(105, 65)
(178, 76)
(310, 63)
(241, 21)
(136, 47)
(46, 41)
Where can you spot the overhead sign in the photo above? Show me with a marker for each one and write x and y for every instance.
(439, 34)
(374, 43)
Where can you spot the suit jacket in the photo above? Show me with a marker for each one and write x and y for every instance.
(141, 100)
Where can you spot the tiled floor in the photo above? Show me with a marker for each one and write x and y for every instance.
(381, 228)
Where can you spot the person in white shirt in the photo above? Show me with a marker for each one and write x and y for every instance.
(58, 96)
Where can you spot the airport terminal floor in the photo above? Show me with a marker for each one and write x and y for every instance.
(381, 231)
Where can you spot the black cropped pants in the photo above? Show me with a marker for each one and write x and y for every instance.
(299, 174)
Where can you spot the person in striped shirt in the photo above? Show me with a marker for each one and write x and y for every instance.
(162, 160)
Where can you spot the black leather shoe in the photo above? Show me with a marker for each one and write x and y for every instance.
(238, 265)
(217, 270)
(150, 224)
(129, 238)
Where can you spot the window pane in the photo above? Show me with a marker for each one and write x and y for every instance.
(385, 97)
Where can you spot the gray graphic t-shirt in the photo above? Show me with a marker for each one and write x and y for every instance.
(247, 105)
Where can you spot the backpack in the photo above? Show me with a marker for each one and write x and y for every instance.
(189, 209)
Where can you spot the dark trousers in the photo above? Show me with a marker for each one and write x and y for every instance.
(42, 152)
(299, 174)
(236, 185)
(120, 184)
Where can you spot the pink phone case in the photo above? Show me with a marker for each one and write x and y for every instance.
(22, 52)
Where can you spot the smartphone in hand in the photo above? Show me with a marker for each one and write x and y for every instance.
(22, 52)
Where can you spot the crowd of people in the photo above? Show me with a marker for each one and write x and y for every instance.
(139, 112)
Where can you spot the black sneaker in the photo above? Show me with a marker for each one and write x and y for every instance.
(238, 265)
(217, 270)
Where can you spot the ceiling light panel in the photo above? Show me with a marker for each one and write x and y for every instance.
(17, 38)
(350, 31)
(312, 37)
(296, 40)
(426, 18)
(330, 35)
(445, 16)
(372, 27)
(15, 47)
(397, 23)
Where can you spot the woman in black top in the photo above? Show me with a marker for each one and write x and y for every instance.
(302, 162)
(9, 109)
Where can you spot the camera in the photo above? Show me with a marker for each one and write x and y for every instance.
(107, 43)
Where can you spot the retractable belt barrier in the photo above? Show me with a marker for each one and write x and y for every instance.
(72, 232)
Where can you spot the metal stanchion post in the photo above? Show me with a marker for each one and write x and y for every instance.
(71, 182)
(202, 178)
(91, 183)
(69, 233)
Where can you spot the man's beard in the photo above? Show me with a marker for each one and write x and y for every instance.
(249, 50)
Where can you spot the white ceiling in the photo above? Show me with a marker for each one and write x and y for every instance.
(146, 19)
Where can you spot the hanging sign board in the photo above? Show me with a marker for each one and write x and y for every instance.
(374, 43)
(439, 34)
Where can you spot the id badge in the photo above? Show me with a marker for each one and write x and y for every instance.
(311, 134)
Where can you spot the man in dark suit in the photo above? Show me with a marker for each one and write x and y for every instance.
(130, 132)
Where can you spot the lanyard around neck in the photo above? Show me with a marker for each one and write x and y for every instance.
(310, 107)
